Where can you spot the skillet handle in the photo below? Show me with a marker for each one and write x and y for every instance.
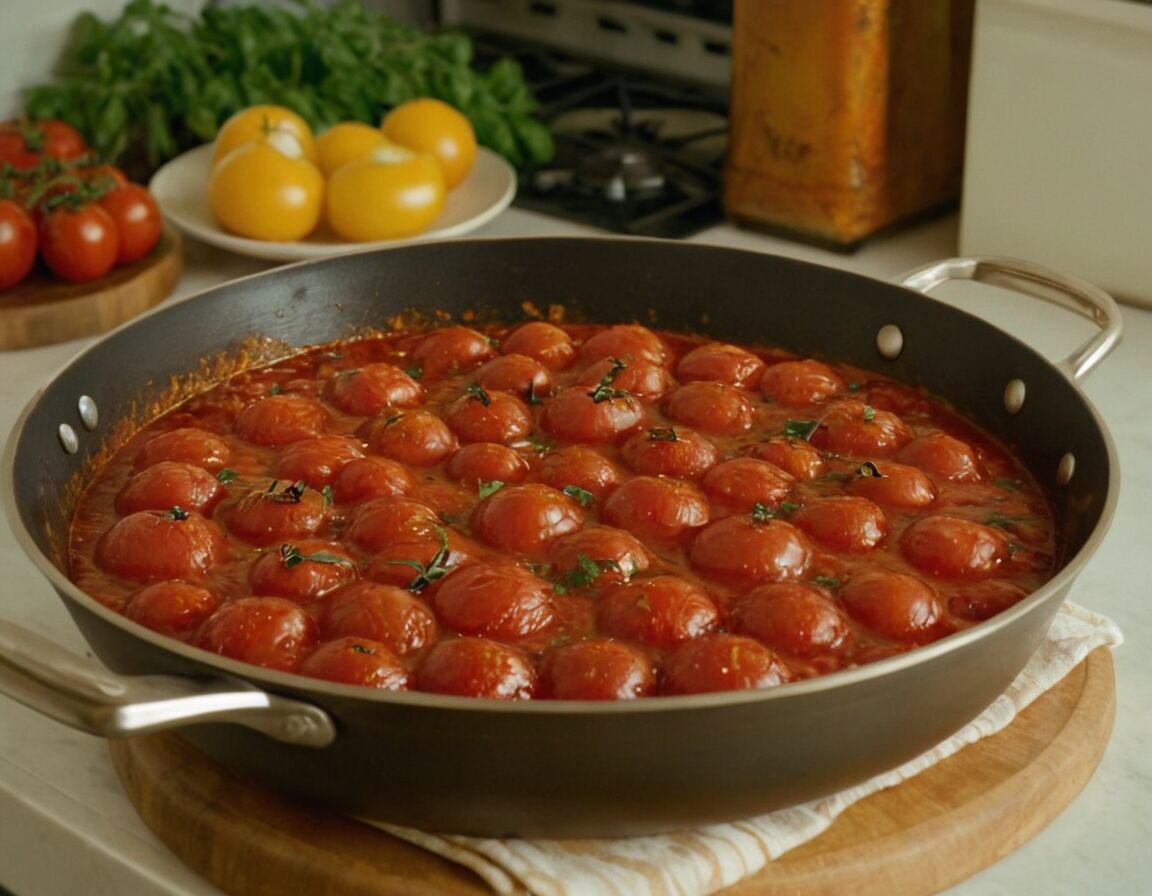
(1031, 279)
(80, 693)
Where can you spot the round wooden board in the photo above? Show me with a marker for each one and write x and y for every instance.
(44, 311)
(920, 837)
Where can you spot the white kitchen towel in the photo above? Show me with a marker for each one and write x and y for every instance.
(705, 860)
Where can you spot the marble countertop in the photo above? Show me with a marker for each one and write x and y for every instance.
(66, 827)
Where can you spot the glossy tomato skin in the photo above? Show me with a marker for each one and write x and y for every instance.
(374, 388)
(303, 570)
(25, 143)
(151, 545)
(711, 407)
(280, 420)
(375, 523)
(383, 196)
(273, 512)
(431, 126)
(258, 192)
(856, 429)
(661, 611)
(498, 601)
(481, 462)
(893, 484)
(173, 608)
(370, 477)
(641, 378)
(521, 375)
(944, 456)
(954, 547)
(544, 342)
(451, 350)
(254, 124)
(137, 217)
(722, 662)
(481, 416)
(618, 555)
(185, 444)
(579, 466)
(669, 451)
(525, 519)
(574, 414)
(720, 362)
(596, 669)
(18, 243)
(477, 667)
(170, 484)
(737, 485)
(627, 343)
(795, 456)
(316, 461)
(801, 384)
(896, 605)
(793, 618)
(357, 661)
(383, 613)
(406, 561)
(344, 142)
(80, 243)
(417, 438)
(266, 631)
(745, 551)
(845, 523)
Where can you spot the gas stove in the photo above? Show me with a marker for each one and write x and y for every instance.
(636, 99)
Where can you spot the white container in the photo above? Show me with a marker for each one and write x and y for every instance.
(1058, 165)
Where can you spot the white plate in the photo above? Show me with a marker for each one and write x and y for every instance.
(181, 188)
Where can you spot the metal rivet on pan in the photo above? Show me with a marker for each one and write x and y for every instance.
(89, 415)
(1014, 395)
(68, 439)
(1066, 469)
(890, 341)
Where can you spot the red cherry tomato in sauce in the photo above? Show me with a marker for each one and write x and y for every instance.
(451, 350)
(265, 631)
(597, 556)
(185, 445)
(481, 462)
(370, 477)
(277, 511)
(172, 608)
(418, 561)
(661, 611)
(303, 570)
(519, 374)
(378, 522)
(151, 545)
(481, 416)
(316, 460)
(794, 456)
(137, 217)
(843, 522)
(477, 667)
(80, 243)
(505, 602)
(628, 342)
(544, 342)
(710, 407)
(657, 508)
(722, 662)
(669, 451)
(645, 380)
(525, 519)
(722, 363)
(944, 456)
(739, 484)
(381, 613)
(374, 388)
(743, 551)
(800, 384)
(796, 619)
(596, 669)
(954, 547)
(893, 484)
(357, 661)
(977, 601)
(18, 243)
(579, 414)
(170, 484)
(280, 419)
(417, 438)
(860, 430)
(895, 605)
(581, 467)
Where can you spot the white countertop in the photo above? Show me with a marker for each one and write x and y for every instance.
(66, 827)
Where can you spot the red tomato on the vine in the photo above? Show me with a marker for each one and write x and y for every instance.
(79, 244)
(17, 243)
(24, 143)
(137, 218)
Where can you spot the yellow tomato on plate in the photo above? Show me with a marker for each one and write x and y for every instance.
(430, 125)
(258, 123)
(263, 193)
(345, 142)
(390, 194)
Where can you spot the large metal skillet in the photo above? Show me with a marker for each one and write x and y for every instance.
(556, 768)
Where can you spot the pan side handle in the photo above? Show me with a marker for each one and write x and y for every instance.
(65, 687)
(1065, 290)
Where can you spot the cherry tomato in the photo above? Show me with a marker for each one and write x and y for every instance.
(79, 242)
(797, 384)
(260, 192)
(722, 662)
(860, 430)
(390, 194)
(477, 667)
(645, 380)
(739, 484)
(24, 143)
(383, 613)
(420, 560)
(894, 485)
(18, 243)
(481, 462)
(376, 523)
(280, 420)
(277, 511)
(170, 484)
(743, 550)
(503, 601)
(431, 126)
(449, 350)
(172, 608)
(151, 545)
(257, 123)
(656, 507)
(954, 547)
(669, 451)
(544, 342)
(977, 601)
(582, 415)
(843, 522)
(137, 218)
(945, 456)
(525, 519)
(370, 477)
(662, 611)
(357, 661)
(265, 631)
(518, 374)
(896, 605)
(374, 388)
(302, 570)
(597, 556)
(722, 363)
(710, 407)
(482, 416)
(597, 669)
(186, 444)
(316, 460)
(418, 438)
(581, 467)
(345, 142)
(628, 343)
(797, 619)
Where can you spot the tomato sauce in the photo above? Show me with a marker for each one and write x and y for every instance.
(560, 512)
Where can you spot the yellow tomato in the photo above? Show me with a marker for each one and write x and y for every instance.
(390, 194)
(429, 125)
(258, 191)
(345, 142)
(259, 122)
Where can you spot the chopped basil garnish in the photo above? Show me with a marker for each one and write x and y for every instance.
(227, 475)
(477, 392)
(484, 489)
(585, 497)
(604, 390)
(869, 413)
(829, 582)
(436, 568)
(291, 494)
(662, 434)
(415, 371)
(800, 429)
(291, 556)
(177, 513)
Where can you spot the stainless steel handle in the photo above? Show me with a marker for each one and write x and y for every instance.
(57, 683)
(1061, 289)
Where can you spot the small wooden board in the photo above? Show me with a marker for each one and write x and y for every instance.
(920, 837)
(43, 311)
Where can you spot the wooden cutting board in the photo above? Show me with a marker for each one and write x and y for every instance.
(920, 837)
(43, 311)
